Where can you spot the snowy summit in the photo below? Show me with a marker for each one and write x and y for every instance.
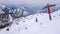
(38, 23)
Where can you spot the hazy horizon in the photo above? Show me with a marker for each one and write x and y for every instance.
(29, 2)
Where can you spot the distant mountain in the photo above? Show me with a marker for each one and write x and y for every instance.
(23, 8)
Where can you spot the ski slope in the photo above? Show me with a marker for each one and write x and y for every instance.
(29, 25)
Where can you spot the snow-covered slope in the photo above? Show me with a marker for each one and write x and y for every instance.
(35, 24)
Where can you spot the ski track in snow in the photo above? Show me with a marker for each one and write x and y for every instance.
(28, 25)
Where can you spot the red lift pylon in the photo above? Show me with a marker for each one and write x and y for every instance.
(49, 11)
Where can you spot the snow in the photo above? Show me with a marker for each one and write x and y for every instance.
(28, 24)
(2, 7)
(1, 12)
(10, 18)
(25, 13)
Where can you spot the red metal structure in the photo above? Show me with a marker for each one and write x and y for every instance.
(49, 11)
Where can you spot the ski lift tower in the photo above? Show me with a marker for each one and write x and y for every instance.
(49, 11)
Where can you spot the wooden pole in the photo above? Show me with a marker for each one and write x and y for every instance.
(50, 17)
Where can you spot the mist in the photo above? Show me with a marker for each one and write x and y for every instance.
(29, 2)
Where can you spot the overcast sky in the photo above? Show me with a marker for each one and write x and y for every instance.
(29, 2)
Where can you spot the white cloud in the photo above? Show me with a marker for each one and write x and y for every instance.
(29, 2)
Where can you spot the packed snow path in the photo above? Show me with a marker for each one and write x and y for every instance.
(35, 24)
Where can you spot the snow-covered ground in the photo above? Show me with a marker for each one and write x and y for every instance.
(29, 25)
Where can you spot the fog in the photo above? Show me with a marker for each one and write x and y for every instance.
(29, 2)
